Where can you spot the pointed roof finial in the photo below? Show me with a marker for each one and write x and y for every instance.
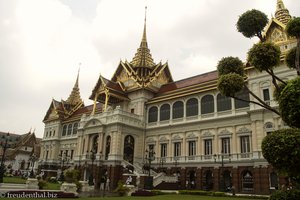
(144, 39)
(282, 14)
(74, 97)
(143, 57)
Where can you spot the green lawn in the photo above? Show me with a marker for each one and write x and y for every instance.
(172, 197)
(13, 179)
(163, 197)
(19, 180)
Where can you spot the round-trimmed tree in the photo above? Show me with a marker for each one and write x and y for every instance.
(230, 65)
(264, 56)
(289, 103)
(293, 29)
(281, 149)
(290, 58)
(230, 84)
(252, 23)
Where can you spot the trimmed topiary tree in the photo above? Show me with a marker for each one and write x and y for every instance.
(252, 23)
(281, 149)
(289, 103)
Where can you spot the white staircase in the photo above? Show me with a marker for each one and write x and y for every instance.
(157, 177)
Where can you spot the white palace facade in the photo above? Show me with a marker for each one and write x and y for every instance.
(206, 140)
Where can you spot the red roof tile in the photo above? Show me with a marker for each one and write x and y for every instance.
(202, 78)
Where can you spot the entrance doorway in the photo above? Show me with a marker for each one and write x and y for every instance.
(128, 153)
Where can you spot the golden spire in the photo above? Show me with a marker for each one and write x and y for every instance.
(143, 57)
(282, 14)
(74, 97)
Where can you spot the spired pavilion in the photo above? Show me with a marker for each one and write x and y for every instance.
(203, 139)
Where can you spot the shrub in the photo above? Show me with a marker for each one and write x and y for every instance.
(286, 195)
(121, 189)
(71, 175)
(42, 184)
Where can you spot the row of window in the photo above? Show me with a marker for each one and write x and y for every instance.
(70, 129)
(192, 107)
(50, 133)
(208, 147)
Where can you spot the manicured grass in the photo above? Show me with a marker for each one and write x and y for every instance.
(162, 197)
(173, 197)
(52, 186)
(14, 179)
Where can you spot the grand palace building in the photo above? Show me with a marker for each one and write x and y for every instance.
(185, 128)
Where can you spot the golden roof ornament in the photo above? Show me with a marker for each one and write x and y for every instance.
(74, 97)
(143, 57)
(282, 14)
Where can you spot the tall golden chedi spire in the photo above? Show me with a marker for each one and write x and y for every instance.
(143, 58)
(74, 98)
(282, 14)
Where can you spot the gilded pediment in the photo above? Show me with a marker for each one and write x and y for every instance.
(53, 114)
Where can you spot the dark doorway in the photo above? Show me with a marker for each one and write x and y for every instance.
(128, 149)
(227, 180)
(208, 180)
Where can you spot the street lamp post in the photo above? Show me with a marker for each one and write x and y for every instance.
(32, 158)
(149, 156)
(64, 157)
(4, 147)
(222, 181)
(92, 157)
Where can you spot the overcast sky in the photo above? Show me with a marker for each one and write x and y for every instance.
(42, 43)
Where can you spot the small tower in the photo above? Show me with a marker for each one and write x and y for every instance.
(282, 14)
(74, 98)
(143, 62)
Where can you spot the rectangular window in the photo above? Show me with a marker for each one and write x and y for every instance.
(245, 144)
(208, 147)
(266, 94)
(151, 147)
(177, 146)
(192, 148)
(47, 152)
(163, 150)
(226, 145)
(72, 152)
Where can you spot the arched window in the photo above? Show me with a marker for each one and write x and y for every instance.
(273, 180)
(69, 129)
(164, 112)
(128, 152)
(244, 94)
(95, 144)
(178, 109)
(192, 107)
(223, 103)
(207, 104)
(247, 181)
(75, 126)
(107, 147)
(208, 180)
(152, 114)
(64, 132)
